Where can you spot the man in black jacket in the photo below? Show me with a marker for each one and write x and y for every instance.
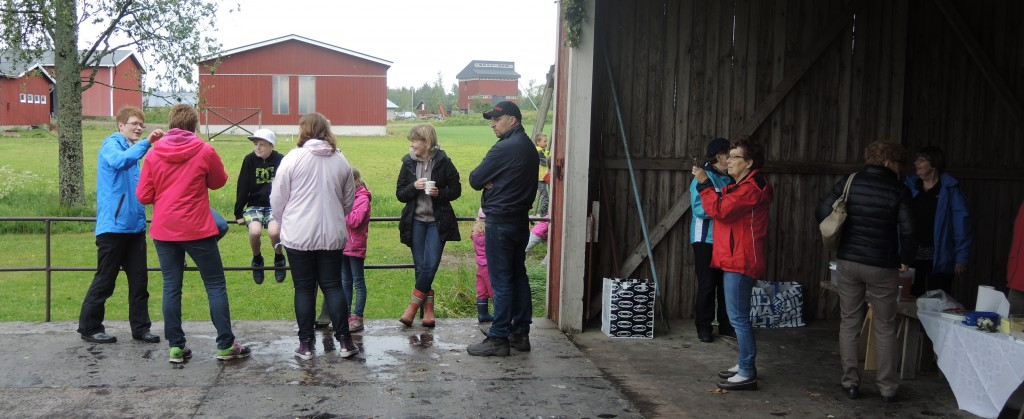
(252, 200)
(508, 177)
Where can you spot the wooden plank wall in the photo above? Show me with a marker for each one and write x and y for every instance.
(691, 70)
(984, 144)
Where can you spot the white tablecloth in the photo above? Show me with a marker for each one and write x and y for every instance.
(983, 369)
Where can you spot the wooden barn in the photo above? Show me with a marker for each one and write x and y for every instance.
(488, 81)
(270, 84)
(815, 82)
(24, 94)
(118, 82)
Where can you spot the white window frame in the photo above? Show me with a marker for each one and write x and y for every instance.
(280, 86)
(307, 94)
(22, 98)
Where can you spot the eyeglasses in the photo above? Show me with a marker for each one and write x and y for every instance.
(137, 124)
(737, 157)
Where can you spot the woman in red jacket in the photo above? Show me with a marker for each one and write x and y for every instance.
(740, 213)
(176, 176)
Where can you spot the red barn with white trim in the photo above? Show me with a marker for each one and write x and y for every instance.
(24, 94)
(287, 77)
(489, 81)
(118, 82)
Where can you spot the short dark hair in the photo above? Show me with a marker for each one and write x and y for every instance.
(934, 155)
(752, 150)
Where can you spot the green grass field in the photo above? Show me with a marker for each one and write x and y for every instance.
(28, 187)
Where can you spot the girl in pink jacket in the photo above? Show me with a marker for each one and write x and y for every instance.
(358, 223)
(483, 280)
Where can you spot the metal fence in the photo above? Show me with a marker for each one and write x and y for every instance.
(48, 267)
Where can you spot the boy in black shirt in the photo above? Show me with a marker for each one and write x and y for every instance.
(252, 202)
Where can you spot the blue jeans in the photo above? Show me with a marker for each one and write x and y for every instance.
(737, 303)
(352, 275)
(311, 268)
(206, 255)
(427, 247)
(506, 263)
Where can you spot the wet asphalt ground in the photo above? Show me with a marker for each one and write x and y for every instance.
(47, 371)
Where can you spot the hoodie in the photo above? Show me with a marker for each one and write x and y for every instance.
(254, 181)
(176, 176)
(312, 194)
(358, 223)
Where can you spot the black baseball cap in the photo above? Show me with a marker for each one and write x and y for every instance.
(504, 108)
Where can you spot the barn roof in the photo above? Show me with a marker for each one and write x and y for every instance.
(480, 69)
(299, 39)
(10, 67)
(112, 59)
(391, 105)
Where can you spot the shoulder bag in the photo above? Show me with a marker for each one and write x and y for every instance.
(832, 226)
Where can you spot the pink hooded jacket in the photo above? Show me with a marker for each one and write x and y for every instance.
(358, 222)
(175, 177)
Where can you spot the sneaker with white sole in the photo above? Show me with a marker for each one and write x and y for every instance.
(346, 348)
(355, 323)
(236, 351)
(180, 355)
(305, 350)
(729, 372)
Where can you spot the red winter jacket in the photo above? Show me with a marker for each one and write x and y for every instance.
(358, 224)
(1015, 263)
(741, 224)
(176, 174)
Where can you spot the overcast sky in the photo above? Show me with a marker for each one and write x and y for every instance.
(420, 38)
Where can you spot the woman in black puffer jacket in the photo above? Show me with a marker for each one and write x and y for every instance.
(877, 243)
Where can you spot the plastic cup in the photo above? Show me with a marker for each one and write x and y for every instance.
(429, 185)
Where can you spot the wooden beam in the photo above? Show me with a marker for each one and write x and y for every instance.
(639, 253)
(985, 64)
(804, 168)
(832, 30)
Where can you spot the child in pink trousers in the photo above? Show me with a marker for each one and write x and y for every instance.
(483, 280)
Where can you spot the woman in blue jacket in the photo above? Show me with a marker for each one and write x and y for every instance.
(942, 223)
(709, 279)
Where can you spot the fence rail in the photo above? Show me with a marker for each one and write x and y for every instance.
(48, 267)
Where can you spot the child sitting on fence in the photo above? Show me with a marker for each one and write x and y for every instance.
(252, 200)
(483, 280)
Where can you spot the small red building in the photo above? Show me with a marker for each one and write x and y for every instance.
(118, 82)
(489, 81)
(270, 84)
(24, 94)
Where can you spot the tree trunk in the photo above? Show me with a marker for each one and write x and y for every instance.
(69, 103)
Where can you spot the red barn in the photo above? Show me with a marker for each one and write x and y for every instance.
(118, 82)
(270, 84)
(24, 94)
(489, 81)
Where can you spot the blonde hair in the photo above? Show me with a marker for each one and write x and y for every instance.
(424, 132)
(183, 116)
(316, 126)
(479, 226)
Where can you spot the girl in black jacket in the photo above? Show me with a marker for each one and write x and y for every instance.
(428, 220)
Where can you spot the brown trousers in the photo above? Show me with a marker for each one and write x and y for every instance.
(860, 284)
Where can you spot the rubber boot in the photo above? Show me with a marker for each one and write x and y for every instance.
(428, 310)
(481, 311)
(414, 304)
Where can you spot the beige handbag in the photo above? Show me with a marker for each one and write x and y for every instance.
(832, 226)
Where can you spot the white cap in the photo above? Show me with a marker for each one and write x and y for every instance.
(264, 134)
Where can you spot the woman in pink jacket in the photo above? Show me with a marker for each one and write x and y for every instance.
(312, 194)
(176, 176)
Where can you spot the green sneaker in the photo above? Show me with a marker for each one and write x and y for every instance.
(179, 355)
(234, 352)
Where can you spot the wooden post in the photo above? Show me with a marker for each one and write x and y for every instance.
(545, 103)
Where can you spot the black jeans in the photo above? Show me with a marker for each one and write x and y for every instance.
(311, 268)
(709, 290)
(116, 251)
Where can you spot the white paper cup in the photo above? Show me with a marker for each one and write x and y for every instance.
(428, 186)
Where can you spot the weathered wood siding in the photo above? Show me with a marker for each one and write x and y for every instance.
(815, 82)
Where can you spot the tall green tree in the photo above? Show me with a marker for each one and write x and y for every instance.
(169, 35)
